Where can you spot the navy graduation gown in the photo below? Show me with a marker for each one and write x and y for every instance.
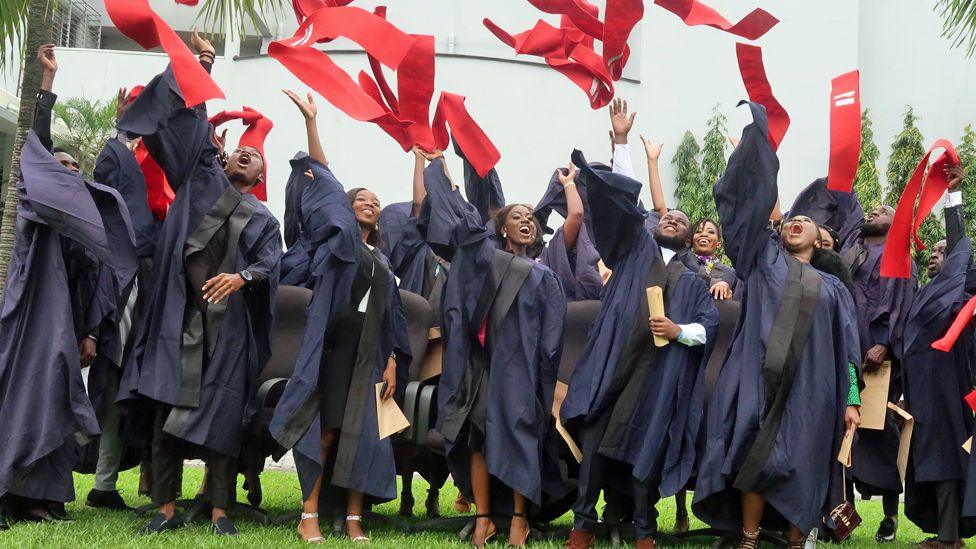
(330, 238)
(654, 395)
(501, 393)
(204, 364)
(69, 232)
(116, 167)
(577, 267)
(936, 382)
(784, 445)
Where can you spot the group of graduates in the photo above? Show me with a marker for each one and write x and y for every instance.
(152, 333)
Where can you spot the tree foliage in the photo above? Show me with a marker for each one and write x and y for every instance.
(86, 126)
(959, 23)
(688, 191)
(967, 155)
(906, 150)
(713, 156)
(867, 182)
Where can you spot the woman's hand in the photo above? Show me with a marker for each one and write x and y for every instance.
(389, 377)
(653, 151)
(721, 291)
(306, 106)
(569, 176)
(852, 418)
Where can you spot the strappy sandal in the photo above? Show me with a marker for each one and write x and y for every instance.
(490, 534)
(528, 531)
(359, 519)
(750, 540)
(796, 544)
(314, 539)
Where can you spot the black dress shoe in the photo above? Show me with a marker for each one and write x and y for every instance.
(223, 527)
(43, 515)
(110, 500)
(160, 523)
(887, 530)
(57, 510)
(433, 503)
(4, 525)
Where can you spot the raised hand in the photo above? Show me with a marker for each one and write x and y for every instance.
(956, 174)
(569, 177)
(200, 44)
(653, 151)
(120, 102)
(620, 121)
(45, 54)
(306, 106)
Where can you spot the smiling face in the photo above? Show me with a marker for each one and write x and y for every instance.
(706, 239)
(937, 258)
(826, 241)
(673, 231)
(366, 205)
(519, 228)
(245, 166)
(800, 234)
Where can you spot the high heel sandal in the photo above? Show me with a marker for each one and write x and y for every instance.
(797, 544)
(313, 539)
(488, 537)
(750, 540)
(359, 519)
(528, 531)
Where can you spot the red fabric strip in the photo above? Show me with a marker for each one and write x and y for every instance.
(258, 128)
(693, 13)
(962, 320)
(137, 20)
(971, 399)
(845, 131)
(620, 19)
(305, 8)
(159, 194)
(896, 260)
(584, 16)
(479, 150)
(757, 86)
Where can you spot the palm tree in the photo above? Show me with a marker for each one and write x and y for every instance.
(86, 126)
(959, 23)
(25, 25)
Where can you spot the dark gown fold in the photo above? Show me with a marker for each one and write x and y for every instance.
(330, 239)
(201, 359)
(935, 384)
(416, 265)
(502, 322)
(776, 418)
(70, 234)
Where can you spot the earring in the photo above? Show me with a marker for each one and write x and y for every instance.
(504, 235)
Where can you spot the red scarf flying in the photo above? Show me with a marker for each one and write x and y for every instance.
(757, 86)
(751, 27)
(845, 131)
(258, 128)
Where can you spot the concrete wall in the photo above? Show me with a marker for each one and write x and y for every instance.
(535, 116)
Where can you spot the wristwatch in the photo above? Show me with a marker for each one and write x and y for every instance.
(247, 276)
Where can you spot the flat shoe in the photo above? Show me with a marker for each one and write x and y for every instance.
(160, 523)
(223, 527)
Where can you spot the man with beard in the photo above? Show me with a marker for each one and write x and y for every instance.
(882, 305)
(936, 383)
(206, 333)
(635, 408)
(779, 408)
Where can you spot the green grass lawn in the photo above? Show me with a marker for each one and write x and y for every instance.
(100, 529)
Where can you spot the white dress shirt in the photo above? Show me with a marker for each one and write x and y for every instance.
(621, 160)
(692, 334)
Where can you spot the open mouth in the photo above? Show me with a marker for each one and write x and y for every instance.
(796, 229)
(525, 231)
(704, 242)
(368, 211)
(244, 160)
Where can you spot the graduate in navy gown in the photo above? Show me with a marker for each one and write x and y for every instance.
(355, 338)
(783, 398)
(633, 408)
(502, 323)
(882, 305)
(206, 334)
(73, 248)
(935, 383)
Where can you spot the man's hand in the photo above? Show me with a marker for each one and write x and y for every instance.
(306, 106)
(389, 377)
(956, 174)
(620, 121)
(201, 44)
(569, 176)
(45, 54)
(852, 418)
(662, 326)
(222, 286)
(120, 102)
(219, 141)
(432, 155)
(721, 290)
(874, 358)
(88, 351)
(653, 151)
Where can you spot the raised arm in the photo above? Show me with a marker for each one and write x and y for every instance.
(419, 191)
(45, 99)
(653, 153)
(746, 194)
(955, 223)
(446, 220)
(621, 122)
(574, 207)
(309, 113)
(484, 193)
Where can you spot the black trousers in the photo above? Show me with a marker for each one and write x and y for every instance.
(167, 466)
(594, 477)
(947, 499)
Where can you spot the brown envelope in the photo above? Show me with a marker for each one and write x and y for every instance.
(655, 306)
(389, 418)
(844, 456)
(432, 360)
(905, 444)
(874, 398)
(557, 403)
